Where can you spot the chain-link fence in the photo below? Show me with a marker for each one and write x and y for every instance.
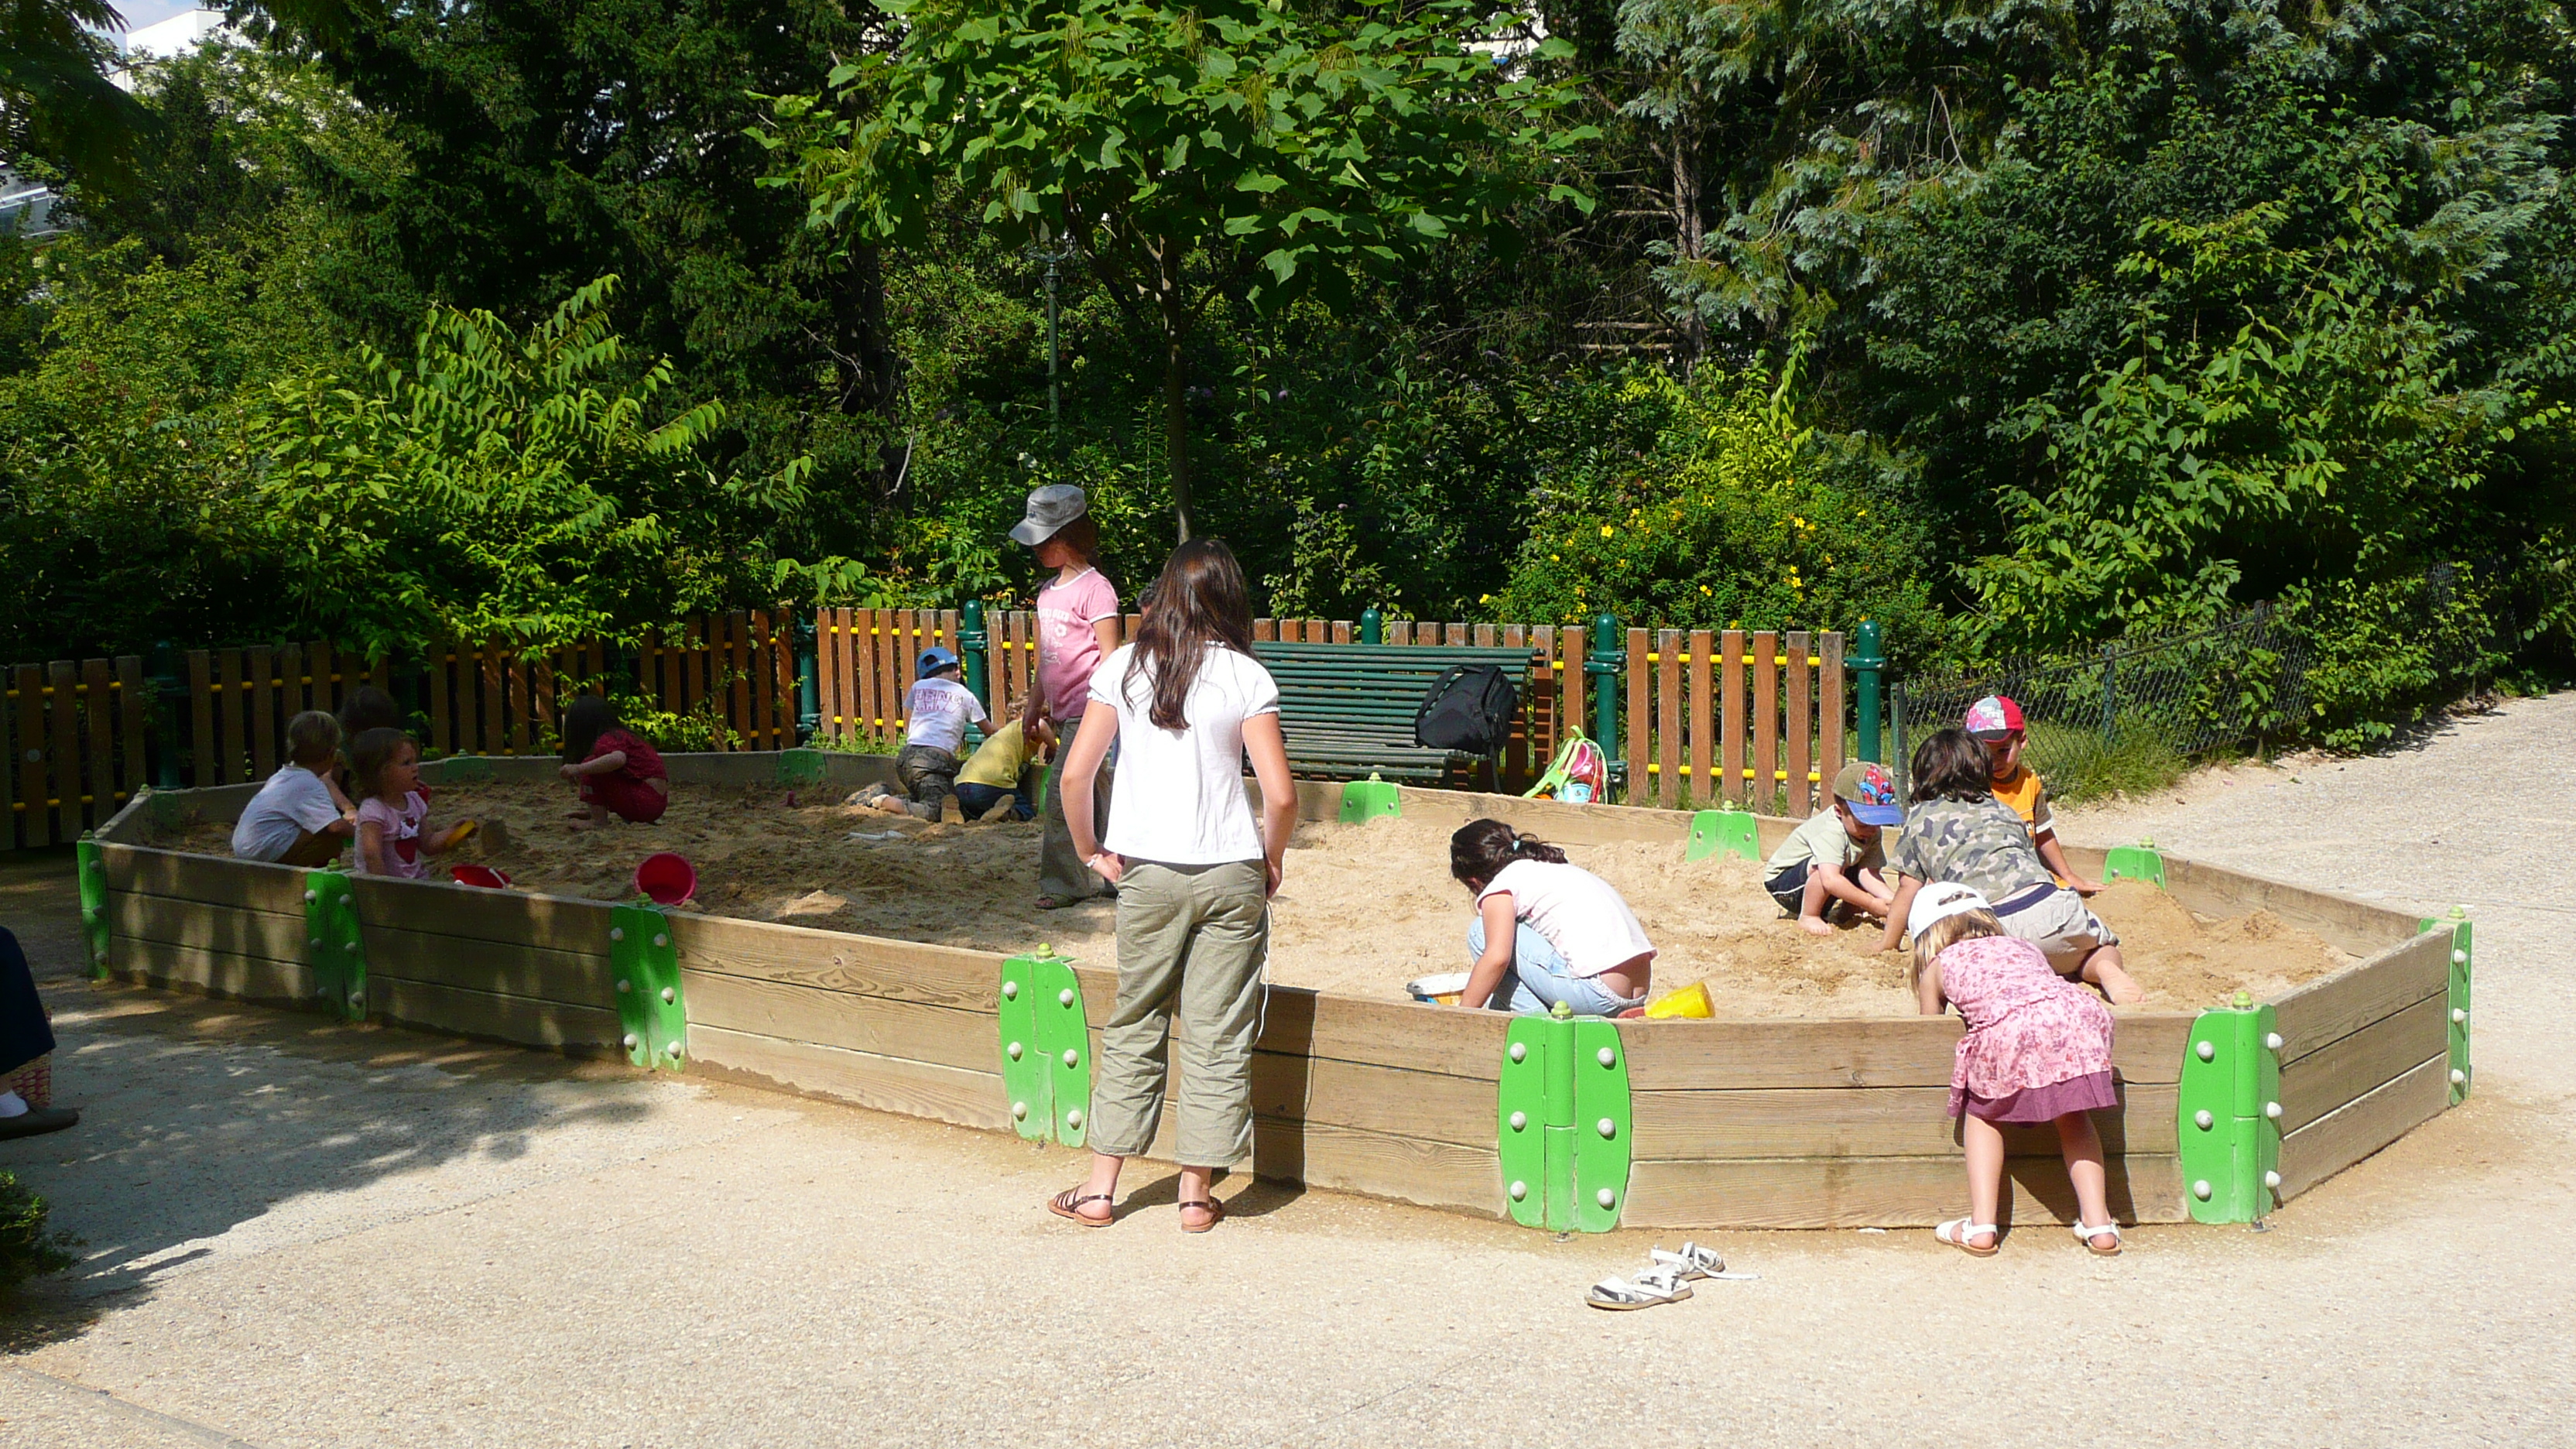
(2127, 715)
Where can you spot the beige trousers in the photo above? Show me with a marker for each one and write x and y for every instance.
(1191, 938)
(1061, 873)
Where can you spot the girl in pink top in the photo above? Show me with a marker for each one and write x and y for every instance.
(2037, 1049)
(1077, 628)
(393, 816)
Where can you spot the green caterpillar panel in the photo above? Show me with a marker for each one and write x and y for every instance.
(1520, 1132)
(1064, 1042)
(93, 899)
(2463, 965)
(333, 946)
(2228, 1114)
(647, 971)
(1559, 1141)
(464, 770)
(1601, 1125)
(1024, 1075)
(801, 767)
(2135, 862)
(1364, 800)
(1723, 832)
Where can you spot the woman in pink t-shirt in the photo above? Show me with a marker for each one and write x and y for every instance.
(1077, 627)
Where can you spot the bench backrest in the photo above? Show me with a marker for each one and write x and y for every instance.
(1373, 688)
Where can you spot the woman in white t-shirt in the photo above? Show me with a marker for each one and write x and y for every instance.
(1184, 704)
(1546, 932)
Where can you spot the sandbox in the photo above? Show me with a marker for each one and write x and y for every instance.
(844, 953)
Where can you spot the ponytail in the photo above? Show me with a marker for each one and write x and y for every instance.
(1481, 848)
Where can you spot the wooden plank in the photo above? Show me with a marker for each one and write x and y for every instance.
(2360, 1063)
(210, 973)
(261, 711)
(1702, 726)
(1829, 710)
(132, 701)
(1407, 1169)
(201, 718)
(1387, 1033)
(1801, 725)
(2345, 1136)
(786, 703)
(233, 704)
(862, 692)
(1640, 708)
(442, 714)
(2321, 1013)
(1861, 1122)
(1731, 687)
(761, 718)
(2358, 927)
(320, 662)
(1891, 1192)
(63, 746)
(1547, 700)
(1765, 795)
(1569, 681)
(570, 978)
(519, 701)
(231, 931)
(543, 682)
(206, 879)
(888, 643)
(845, 1020)
(489, 668)
(1669, 792)
(1897, 1051)
(842, 961)
(35, 823)
(737, 654)
(522, 1021)
(564, 924)
(1430, 1106)
(98, 721)
(827, 672)
(888, 1084)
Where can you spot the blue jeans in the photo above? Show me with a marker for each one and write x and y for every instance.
(1538, 979)
(979, 798)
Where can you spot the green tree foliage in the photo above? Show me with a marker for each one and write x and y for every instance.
(29, 1247)
(58, 110)
(1238, 150)
(499, 483)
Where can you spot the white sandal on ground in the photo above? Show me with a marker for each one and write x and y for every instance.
(1958, 1231)
(2086, 1236)
(1693, 1261)
(1655, 1285)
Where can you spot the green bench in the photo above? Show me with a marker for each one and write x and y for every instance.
(1347, 709)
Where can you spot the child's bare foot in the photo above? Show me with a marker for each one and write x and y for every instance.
(1814, 926)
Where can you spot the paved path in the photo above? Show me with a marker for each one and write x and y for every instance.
(301, 1235)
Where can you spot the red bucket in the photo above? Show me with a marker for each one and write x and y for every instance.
(668, 879)
(481, 875)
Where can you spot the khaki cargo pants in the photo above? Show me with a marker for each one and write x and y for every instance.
(1192, 938)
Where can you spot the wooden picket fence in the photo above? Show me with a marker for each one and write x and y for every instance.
(1753, 719)
(84, 735)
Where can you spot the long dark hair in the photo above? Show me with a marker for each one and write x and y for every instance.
(1481, 848)
(369, 708)
(1199, 600)
(584, 720)
(1953, 766)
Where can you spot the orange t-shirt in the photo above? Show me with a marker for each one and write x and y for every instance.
(2029, 799)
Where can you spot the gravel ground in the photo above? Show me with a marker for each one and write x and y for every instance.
(306, 1236)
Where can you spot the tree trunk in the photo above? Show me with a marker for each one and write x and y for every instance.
(1175, 313)
(1690, 234)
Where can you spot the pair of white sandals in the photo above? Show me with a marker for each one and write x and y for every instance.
(1958, 1231)
(1668, 1280)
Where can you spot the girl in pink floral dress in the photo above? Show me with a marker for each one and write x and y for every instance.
(2037, 1049)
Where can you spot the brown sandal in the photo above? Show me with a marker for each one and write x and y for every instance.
(1068, 1204)
(1214, 1209)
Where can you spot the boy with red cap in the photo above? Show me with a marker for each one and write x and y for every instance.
(1997, 724)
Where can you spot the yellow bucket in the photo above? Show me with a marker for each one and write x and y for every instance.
(1690, 1002)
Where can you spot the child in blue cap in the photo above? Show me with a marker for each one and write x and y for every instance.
(936, 712)
(1835, 856)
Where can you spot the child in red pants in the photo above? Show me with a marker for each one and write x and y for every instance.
(618, 773)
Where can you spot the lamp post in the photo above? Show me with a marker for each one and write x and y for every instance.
(1054, 252)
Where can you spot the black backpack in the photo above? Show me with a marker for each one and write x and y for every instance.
(1468, 709)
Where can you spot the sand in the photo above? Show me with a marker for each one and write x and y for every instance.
(1364, 909)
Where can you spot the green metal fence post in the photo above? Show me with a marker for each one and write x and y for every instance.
(1866, 661)
(973, 642)
(809, 683)
(1372, 626)
(1602, 662)
(93, 903)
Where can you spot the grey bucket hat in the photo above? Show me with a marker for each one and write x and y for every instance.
(1050, 509)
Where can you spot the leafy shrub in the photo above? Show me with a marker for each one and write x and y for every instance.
(28, 1247)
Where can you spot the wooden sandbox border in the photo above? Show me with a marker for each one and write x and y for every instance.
(1745, 1123)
